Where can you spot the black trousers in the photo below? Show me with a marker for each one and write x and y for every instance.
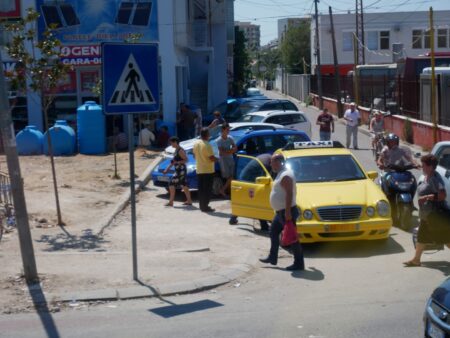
(205, 182)
(275, 230)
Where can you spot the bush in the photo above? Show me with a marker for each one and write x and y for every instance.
(308, 100)
(408, 134)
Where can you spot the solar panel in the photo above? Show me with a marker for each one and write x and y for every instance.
(142, 14)
(51, 16)
(69, 14)
(124, 13)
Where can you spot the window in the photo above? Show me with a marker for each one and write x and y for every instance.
(136, 14)
(272, 106)
(289, 106)
(279, 119)
(427, 39)
(384, 40)
(247, 169)
(372, 40)
(298, 118)
(444, 158)
(442, 38)
(347, 41)
(60, 15)
(417, 39)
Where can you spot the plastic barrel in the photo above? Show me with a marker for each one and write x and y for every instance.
(30, 141)
(63, 139)
(91, 127)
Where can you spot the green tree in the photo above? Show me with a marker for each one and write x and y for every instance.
(268, 61)
(38, 69)
(241, 61)
(296, 48)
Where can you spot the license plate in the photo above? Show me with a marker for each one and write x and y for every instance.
(434, 331)
(341, 227)
(163, 178)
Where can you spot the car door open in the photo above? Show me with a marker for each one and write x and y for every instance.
(250, 189)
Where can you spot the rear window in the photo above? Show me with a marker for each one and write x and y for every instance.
(289, 106)
(251, 118)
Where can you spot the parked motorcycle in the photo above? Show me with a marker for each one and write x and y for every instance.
(400, 186)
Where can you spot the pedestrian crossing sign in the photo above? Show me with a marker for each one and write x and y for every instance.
(130, 78)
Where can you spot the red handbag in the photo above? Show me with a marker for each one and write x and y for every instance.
(289, 234)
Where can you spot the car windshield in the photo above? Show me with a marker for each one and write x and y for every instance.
(251, 118)
(246, 108)
(325, 168)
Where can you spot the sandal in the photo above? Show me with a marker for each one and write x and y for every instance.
(411, 264)
(168, 205)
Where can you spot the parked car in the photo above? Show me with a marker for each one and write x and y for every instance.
(339, 200)
(289, 119)
(247, 141)
(233, 109)
(215, 133)
(442, 151)
(437, 312)
(251, 92)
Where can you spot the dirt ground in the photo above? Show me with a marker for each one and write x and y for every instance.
(88, 194)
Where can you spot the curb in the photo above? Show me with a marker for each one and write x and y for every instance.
(221, 277)
(125, 197)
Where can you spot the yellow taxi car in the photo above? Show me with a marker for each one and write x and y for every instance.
(338, 199)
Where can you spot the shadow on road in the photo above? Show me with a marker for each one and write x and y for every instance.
(182, 309)
(353, 249)
(442, 266)
(310, 273)
(41, 306)
(66, 241)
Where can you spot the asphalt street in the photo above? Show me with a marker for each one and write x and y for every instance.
(349, 289)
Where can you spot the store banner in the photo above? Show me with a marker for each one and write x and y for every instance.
(81, 55)
(9, 9)
(95, 21)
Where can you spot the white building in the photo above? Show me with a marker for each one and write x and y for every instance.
(195, 50)
(382, 30)
(286, 23)
(252, 34)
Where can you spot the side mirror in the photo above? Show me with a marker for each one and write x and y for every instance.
(372, 175)
(263, 180)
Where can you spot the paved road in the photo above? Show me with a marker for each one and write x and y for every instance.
(353, 289)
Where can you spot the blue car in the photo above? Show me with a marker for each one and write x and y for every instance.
(248, 142)
(437, 312)
(233, 108)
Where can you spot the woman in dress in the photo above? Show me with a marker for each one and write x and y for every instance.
(178, 179)
(431, 193)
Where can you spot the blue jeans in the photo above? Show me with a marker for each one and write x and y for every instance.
(325, 135)
(275, 231)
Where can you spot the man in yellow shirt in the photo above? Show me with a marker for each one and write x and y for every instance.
(204, 156)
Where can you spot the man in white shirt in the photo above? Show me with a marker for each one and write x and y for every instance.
(146, 137)
(353, 120)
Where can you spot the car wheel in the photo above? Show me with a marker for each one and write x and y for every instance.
(217, 185)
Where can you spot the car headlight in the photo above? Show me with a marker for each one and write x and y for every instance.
(383, 208)
(191, 168)
(370, 211)
(307, 214)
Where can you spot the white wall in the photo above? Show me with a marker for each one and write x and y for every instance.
(400, 26)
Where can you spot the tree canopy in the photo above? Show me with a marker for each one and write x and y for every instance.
(241, 62)
(295, 46)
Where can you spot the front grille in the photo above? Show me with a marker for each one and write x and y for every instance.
(341, 234)
(339, 213)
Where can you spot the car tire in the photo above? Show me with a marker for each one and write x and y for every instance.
(217, 185)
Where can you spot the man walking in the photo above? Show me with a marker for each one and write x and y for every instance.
(205, 159)
(326, 122)
(227, 148)
(353, 120)
(283, 199)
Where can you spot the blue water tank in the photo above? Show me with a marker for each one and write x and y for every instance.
(30, 141)
(91, 126)
(63, 139)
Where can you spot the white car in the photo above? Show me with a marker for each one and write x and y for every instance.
(442, 151)
(215, 133)
(291, 119)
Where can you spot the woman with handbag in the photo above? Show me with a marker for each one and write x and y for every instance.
(432, 206)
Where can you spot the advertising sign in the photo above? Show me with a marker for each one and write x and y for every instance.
(95, 21)
(9, 8)
(81, 55)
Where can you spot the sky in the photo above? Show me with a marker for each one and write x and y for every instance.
(266, 12)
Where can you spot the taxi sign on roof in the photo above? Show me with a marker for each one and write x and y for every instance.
(313, 144)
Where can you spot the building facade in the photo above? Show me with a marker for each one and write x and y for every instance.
(252, 34)
(195, 41)
(286, 23)
(409, 31)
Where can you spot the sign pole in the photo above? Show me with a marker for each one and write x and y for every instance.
(133, 194)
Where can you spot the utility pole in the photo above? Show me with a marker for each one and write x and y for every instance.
(433, 79)
(355, 70)
(359, 33)
(318, 68)
(361, 29)
(336, 67)
(20, 206)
